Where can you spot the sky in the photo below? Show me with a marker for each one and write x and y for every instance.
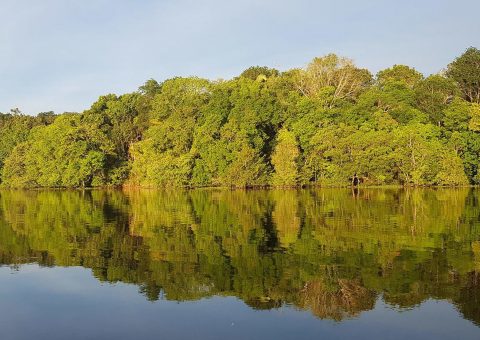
(61, 55)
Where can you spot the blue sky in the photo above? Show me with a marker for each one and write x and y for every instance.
(61, 55)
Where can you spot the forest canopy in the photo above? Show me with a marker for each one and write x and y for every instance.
(317, 125)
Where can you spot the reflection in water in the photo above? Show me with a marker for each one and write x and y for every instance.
(333, 252)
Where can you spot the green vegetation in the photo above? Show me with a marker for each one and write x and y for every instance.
(331, 251)
(314, 126)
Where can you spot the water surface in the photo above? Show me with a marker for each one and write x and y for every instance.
(216, 264)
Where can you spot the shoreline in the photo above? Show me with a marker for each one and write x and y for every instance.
(227, 188)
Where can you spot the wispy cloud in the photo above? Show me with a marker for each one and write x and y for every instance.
(62, 54)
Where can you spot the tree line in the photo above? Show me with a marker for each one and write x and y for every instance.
(317, 125)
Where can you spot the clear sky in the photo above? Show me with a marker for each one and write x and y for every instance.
(61, 55)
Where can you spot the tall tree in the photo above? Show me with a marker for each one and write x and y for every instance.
(399, 73)
(465, 70)
(334, 76)
(284, 159)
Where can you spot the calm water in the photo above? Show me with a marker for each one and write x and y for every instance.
(211, 264)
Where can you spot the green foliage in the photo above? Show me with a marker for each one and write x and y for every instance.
(433, 95)
(314, 126)
(150, 88)
(263, 72)
(284, 159)
(164, 157)
(334, 78)
(246, 169)
(65, 153)
(465, 70)
(399, 73)
(15, 128)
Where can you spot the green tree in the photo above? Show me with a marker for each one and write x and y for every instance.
(465, 70)
(164, 156)
(63, 154)
(399, 73)
(247, 169)
(284, 159)
(335, 77)
(255, 72)
(433, 95)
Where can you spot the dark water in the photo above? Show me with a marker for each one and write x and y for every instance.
(208, 264)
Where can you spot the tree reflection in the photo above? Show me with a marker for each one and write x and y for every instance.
(326, 251)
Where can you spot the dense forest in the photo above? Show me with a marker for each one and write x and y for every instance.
(318, 125)
(318, 250)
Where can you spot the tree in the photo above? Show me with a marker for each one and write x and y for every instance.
(336, 76)
(457, 115)
(247, 169)
(433, 94)
(63, 154)
(284, 159)
(399, 73)
(164, 156)
(150, 88)
(255, 71)
(15, 129)
(474, 123)
(465, 70)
